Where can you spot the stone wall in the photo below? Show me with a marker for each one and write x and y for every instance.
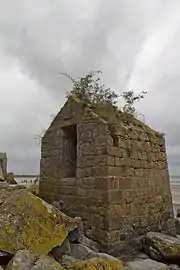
(121, 184)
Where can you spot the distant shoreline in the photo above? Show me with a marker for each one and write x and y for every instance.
(26, 175)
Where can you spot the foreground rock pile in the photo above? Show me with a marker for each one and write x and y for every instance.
(35, 235)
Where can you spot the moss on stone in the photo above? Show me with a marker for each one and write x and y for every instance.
(98, 264)
(27, 222)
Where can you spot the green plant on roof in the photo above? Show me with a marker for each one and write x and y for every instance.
(90, 90)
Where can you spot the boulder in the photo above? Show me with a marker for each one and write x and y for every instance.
(28, 222)
(98, 264)
(22, 260)
(46, 263)
(146, 265)
(162, 247)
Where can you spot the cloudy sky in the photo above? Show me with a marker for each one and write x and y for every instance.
(136, 43)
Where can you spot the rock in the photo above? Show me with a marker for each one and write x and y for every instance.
(174, 267)
(146, 265)
(34, 189)
(5, 191)
(178, 212)
(58, 204)
(67, 261)
(28, 222)
(75, 235)
(81, 252)
(63, 249)
(162, 247)
(177, 225)
(89, 243)
(141, 256)
(98, 264)
(46, 263)
(106, 257)
(22, 260)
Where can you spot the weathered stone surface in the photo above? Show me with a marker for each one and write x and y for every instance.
(147, 265)
(111, 173)
(162, 247)
(98, 264)
(46, 263)
(75, 235)
(63, 249)
(27, 222)
(6, 190)
(173, 267)
(22, 260)
(67, 261)
(89, 243)
(81, 252)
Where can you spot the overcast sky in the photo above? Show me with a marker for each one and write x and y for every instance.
(136, 43)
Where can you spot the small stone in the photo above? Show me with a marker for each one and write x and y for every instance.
(81, 252)
(146, 265)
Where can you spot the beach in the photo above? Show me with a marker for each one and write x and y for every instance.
(175, 190)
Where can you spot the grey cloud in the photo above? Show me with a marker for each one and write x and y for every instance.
(74, 37)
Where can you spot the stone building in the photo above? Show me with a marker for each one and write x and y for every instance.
(111, 172)
(3, 165)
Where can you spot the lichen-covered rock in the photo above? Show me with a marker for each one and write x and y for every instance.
(28, 222)
(22, 260)
(162, 247)
(146, 265)
(67, 261)
(46, 263)
(34, 189)
(98, 264)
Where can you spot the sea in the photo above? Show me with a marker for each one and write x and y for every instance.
(175, 191)
(25, 180)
